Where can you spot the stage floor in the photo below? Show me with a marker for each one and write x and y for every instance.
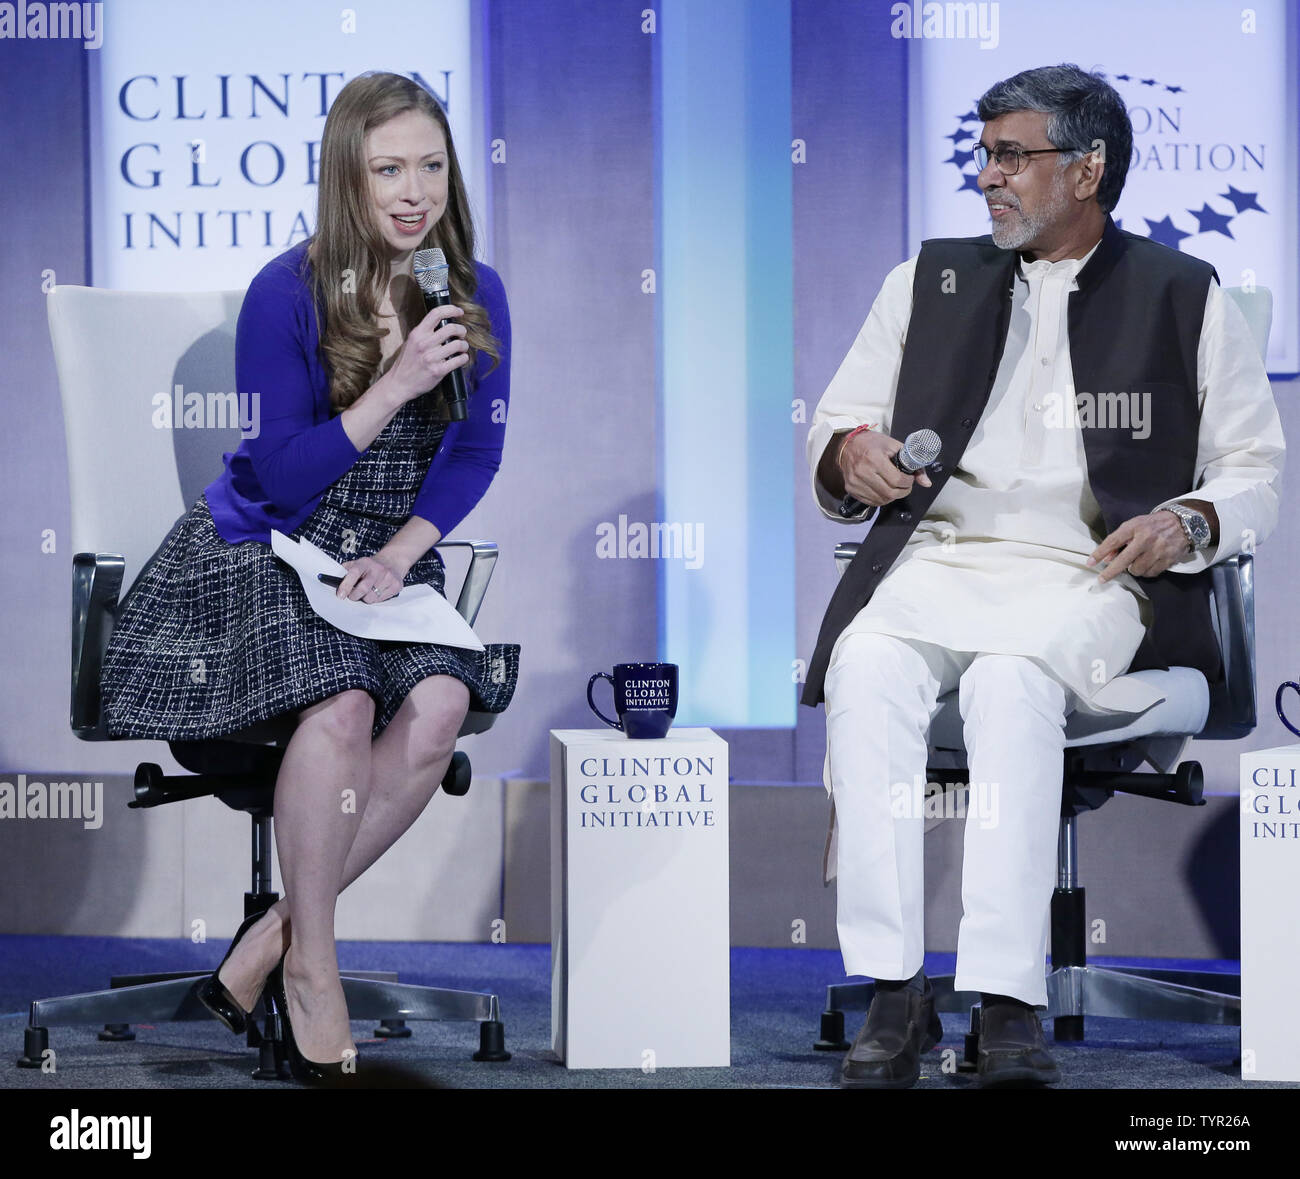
(777, 996)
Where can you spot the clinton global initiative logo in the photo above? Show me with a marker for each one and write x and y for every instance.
(173, 118)
(1164, 142)
(646, 792)
(1271, 803)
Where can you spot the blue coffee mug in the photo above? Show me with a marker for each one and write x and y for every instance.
(645, 698)
(1277, 703)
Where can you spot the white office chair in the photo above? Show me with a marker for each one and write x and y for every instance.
(1103, 756)
(130, 480)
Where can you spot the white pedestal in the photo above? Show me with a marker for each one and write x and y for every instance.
(640, 920)
(1270, 935)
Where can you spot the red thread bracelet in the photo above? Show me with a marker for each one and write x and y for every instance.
(843, 444)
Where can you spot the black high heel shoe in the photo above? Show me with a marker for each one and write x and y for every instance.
(307, 1072)
(212, 993)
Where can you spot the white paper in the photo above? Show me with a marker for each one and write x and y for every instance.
(419, 614)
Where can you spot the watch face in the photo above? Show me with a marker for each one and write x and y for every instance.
(1197, 527)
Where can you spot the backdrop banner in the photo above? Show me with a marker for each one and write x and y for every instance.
(206, 123)
(1212, 99)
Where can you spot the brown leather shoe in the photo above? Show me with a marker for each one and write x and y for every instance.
(1012, 1047)
(900, 1026)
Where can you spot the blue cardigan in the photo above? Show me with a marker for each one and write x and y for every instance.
(276, 479)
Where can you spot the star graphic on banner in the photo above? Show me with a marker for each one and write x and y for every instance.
(968, 181)
(960, 158)
(1165, 232)
(958, 135)
(1242, 200)
(1119, 224)
(1147, 82)
(971, 116)
(1212, 222)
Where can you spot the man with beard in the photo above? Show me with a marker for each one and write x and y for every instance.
(1049, 551)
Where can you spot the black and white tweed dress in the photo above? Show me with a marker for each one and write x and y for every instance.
(213, 637)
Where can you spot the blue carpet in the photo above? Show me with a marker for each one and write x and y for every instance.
(777, 996)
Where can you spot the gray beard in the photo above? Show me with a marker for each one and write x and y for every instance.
(1013, 237)
(1026, 228)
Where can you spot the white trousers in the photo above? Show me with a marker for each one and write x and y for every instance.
(881, 694)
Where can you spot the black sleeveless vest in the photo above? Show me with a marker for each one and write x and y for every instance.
(1134, 326)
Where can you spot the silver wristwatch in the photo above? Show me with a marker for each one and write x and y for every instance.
(1195, 526)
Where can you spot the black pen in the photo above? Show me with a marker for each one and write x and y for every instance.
(331, 580)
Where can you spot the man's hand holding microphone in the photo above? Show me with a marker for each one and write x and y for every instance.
(870, 469)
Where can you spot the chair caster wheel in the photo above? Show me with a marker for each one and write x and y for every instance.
(832, 1033)
(492, 1041)
(970, 1059)
(36, 1042)
(1067, 1029)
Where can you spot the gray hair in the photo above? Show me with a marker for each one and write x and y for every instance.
(1082, 108)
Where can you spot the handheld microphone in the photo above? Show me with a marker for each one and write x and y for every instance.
(920, 448)
(431, 274)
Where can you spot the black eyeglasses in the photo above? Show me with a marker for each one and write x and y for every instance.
(1011, 159)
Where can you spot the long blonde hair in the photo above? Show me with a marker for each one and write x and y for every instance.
(346, 238)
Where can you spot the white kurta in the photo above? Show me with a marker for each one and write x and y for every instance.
(998, 564)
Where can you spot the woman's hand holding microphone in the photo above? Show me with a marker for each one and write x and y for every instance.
(430, 351)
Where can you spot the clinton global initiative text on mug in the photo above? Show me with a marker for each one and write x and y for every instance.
(645, 698)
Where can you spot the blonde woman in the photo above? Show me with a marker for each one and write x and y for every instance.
(356, 455)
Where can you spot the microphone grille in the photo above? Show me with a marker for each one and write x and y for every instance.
(920, 449)
(430, 268)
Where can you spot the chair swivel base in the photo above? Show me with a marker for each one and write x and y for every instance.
(170, 998)
(842, 997)
(1181, 996)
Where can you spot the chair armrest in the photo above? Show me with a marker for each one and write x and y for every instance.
(482, 561)
(1232, 700)
(845, 551)
(96, 584)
